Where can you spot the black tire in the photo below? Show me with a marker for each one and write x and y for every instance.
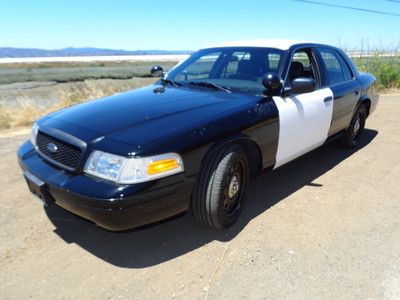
(220, 191)
(353, 133)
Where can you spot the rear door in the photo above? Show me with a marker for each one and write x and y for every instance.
(304, 119)
(345, 88)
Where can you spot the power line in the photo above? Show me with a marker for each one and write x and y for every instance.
(351, 7)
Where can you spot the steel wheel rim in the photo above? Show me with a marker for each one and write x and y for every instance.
(357, 127)
(234, 185)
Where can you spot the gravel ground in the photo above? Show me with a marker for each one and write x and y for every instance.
(324, 226)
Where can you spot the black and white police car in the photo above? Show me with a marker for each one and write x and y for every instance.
(194, 139)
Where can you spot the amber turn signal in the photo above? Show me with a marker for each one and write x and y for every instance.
(164, 165)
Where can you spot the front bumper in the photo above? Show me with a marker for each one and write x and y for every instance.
(111, 206)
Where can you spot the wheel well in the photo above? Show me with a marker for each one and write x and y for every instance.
(254, 156)
(250, 147)
(252, 150)
(367, 103)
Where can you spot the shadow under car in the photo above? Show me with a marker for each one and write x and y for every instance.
(157, 243)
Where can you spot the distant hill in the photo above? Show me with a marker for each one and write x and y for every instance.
(87, 51)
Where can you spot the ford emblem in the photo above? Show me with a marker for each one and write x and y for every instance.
(52, 148)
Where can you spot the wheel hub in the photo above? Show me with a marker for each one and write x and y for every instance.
(234, 186)
(357, 125)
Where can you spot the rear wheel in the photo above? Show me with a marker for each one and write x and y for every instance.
(353, 133)
(220, 191)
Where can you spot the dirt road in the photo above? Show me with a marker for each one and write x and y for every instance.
(324, 226)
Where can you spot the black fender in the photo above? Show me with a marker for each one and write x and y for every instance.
(251, 148)
(369, 95)
(364, 100)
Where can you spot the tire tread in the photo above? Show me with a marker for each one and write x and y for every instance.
(204, 209)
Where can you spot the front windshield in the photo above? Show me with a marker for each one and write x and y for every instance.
(237, 68)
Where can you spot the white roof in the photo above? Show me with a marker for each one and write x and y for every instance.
(266, 43)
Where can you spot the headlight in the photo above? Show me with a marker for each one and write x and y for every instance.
(35, 129)
(132, 170)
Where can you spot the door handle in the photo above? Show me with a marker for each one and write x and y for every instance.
(355, 92)
(327, 99)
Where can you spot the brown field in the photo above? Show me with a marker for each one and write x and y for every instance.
(22, 103)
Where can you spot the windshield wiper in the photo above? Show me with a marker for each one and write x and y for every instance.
(169, 81)
(210, 85)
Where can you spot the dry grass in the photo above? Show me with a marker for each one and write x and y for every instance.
(26, 111)
(27, 114)
(22, 116)
(5, 117)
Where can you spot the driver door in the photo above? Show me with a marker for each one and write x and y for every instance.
(304, 119)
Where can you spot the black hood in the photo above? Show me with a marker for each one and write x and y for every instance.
(151, 113)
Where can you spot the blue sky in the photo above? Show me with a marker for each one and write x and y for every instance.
(179, 24)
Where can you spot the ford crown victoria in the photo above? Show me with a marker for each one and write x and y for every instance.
(194, 139)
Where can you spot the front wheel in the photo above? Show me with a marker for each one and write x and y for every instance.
(220, 191)
(353, 133)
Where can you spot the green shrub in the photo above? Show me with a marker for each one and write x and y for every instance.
(385, 68)
(388, 76)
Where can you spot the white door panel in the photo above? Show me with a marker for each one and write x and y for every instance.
(304, 122)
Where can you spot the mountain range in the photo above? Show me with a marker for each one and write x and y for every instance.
(86, 51)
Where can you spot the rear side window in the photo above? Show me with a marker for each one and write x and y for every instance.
(332, 65)
(347, 73)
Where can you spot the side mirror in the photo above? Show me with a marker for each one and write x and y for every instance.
(157, 71)
(272, 84)
(303, 85)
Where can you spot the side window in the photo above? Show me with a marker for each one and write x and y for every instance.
(337, 69)
(347, 73)
(302, 65)
(302, 57)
